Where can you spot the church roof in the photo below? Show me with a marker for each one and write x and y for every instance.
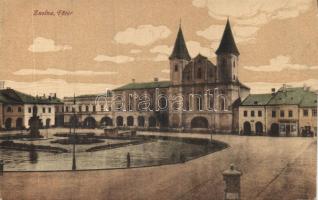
(144, 85)
(200, 57)
(180, 50)
(227, 44)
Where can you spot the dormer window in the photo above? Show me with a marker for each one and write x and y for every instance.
(176, 68)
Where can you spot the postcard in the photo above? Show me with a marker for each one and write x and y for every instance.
(158, 99)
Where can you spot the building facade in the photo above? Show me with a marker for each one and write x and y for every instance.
(17, 108)
(88, 111)
(287, 112)
(200, 95)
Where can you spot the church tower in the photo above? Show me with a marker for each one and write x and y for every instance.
(179, 58)
(227, 57)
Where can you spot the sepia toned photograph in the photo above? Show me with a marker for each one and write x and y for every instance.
(158, 99)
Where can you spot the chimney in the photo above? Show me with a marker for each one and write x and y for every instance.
(1, 85)
(273, 91)
(284, 87)
(133, 80)
(155, 79)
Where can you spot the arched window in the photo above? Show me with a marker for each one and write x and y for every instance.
(130, 121)
(141, 121)
(19, 109)
(234, 77)
(198, 101)
(199, 73)
(87, 108)
(211, 101)
(222, 103)
(9, 109)
(80, 108)
(176, 68)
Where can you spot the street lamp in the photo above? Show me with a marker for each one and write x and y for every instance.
(74, 135)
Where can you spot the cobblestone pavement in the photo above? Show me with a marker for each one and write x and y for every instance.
(273, 168)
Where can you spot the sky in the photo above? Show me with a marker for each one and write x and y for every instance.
(99, 45)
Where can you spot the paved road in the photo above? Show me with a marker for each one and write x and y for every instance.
(273, 168)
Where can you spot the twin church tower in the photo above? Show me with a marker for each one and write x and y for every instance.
(211, 93)
(227, 58)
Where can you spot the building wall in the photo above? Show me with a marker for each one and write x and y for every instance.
(309, 120)
(46, 114)
(283, 120)
(252, 120)
(11, 114)
(287, 125)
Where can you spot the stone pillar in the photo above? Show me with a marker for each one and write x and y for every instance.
(232, 178)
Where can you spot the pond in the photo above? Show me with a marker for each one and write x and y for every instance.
(154, 152)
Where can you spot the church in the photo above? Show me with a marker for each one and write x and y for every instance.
(200, 96)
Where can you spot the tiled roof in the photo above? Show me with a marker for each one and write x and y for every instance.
(284, 96)
(288, 96)
(309, 100)
(146, 85)
(180, 50)
(227, 44)
(10, 96)
(94, 95)
(257, 99)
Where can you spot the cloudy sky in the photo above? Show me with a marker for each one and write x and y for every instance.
(104, 44)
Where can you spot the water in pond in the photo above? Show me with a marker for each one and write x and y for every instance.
(147, 154)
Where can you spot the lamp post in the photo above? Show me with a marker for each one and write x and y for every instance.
(74, 135)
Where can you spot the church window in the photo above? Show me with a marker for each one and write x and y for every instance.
(199, 104)
(176, 68)
(9, 109)
(199, 75)
(222, 103)
(223, 62)
(211, 73)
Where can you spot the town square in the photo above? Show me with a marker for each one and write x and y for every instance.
(182, 99)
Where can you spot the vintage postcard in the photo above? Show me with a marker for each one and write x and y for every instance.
(158, 99)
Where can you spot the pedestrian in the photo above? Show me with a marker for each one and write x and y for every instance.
(128, 160)
(1, 167)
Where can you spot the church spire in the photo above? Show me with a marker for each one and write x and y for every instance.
(180, 50)
(227, 44)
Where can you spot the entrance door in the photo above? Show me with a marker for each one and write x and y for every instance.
(247, 128)
(288, 129)
(8, 123)
(274, 130)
